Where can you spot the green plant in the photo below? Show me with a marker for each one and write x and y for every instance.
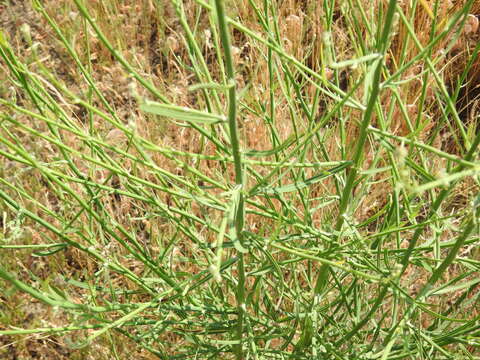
(277, 213)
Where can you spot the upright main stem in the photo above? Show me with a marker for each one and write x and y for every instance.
(374, 93)
(232, 123)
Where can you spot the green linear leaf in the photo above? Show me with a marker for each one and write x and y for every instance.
(303, 184)
(181, 113)
(261, 153)
(441, 291)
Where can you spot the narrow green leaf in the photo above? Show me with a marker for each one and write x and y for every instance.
(303, 184)
(261, 153)
(51, 251)
(322, 279)
(181, 113)
(445, 290)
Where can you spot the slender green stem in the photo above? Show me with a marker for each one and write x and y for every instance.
(234, 140)
(372, 101)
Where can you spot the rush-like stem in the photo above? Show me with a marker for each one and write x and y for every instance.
(374, 92)
(232, 123)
